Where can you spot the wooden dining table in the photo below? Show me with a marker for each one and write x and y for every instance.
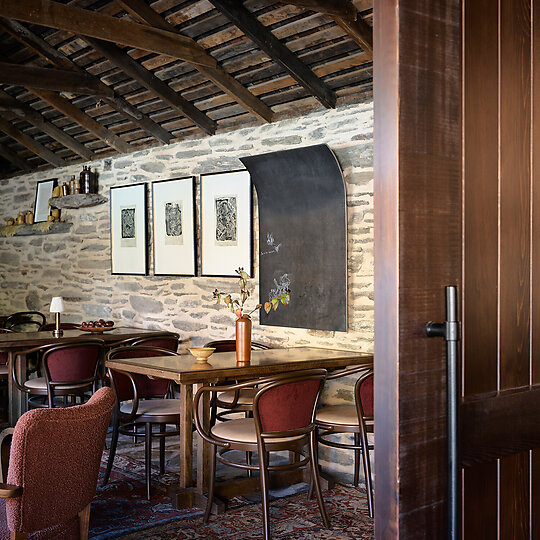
(184, 371)
(15, 342)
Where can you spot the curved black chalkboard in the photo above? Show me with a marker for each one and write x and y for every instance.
(302, 236)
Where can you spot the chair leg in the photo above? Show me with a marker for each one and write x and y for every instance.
(314, 462)
(248, 462)
(366, 461)
(148, 457)
(211, 482)
(263, 473)
(356, 459)
(84, 522)
(114, 442)
(162, 428)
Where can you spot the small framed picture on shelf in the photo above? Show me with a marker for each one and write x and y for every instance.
(226, 239)
(42, 208)
(128, 230)
(174, 227)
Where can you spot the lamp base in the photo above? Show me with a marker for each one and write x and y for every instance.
(58, 333)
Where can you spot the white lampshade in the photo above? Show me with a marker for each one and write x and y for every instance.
(57, 304)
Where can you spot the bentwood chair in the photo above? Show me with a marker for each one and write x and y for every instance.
(283, 419)
(4, 371)
(356, 419)
(232, 402)
(71, 370)
(163, 340)
(53, 470)
(25, 321)
(141, 401)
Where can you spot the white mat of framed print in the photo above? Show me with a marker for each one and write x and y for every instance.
(128, 229)
(226, 223)
(174, 231)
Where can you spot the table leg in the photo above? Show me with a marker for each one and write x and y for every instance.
(16, 398)
(186, 436)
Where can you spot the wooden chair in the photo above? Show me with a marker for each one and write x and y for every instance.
(4, 372)
(163, 340)
(25, 321)
(355, 418)
(283, 419)
(141, 401)
(53, 469)
(71, 370)
(232, 402)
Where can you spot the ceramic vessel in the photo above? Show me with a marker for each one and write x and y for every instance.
(201, 354)
(243, 340)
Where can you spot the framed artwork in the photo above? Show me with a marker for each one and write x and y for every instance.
(226, 223)
(128, 230)
(174, 231)
(42, 208)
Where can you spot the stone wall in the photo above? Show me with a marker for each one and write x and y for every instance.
(76, 265)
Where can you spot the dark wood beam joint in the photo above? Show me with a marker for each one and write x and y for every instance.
(339, 8)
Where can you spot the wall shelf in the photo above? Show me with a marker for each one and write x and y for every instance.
(78, 200)
(37, 228)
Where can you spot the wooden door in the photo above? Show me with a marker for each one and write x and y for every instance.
(457, 202)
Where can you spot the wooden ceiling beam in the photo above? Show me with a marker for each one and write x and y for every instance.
(278, 52)
(25, 112)
(338, 8)
(146, 78)
(52, 79)
(360, 32)
(80, 117)
(97, 25)
(225, 81)
(9, 129)
(15, 159)
(55, 57)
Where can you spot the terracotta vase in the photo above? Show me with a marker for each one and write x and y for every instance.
(243, 340)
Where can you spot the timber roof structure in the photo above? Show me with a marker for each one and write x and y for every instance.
(85, 79)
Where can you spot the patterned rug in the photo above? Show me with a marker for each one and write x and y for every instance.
(120, 510)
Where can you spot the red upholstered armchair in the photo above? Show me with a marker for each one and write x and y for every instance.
(283, 419)
(53, 469)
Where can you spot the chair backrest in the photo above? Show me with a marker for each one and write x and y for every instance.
(145, 387)
(363, 392)
(163, 340)
(55, 456)
(73, 361)
(4, 355)
(227, 345)
(25, 321)
(63, 326)
(287, 403)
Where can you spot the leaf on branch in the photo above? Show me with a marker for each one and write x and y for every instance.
(267, 307)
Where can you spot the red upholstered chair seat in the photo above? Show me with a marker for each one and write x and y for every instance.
(55, 458)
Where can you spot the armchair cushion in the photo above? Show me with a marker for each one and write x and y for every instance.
(344, 415)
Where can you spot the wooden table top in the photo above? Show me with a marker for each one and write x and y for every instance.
(223, 365)
(23, 340)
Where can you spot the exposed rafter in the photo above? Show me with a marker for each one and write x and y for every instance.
(9, 129)
(360, 31)
(14, 159)
(52, 79)
(90, 23)
(55, 57)
(225, 81)
(338, 8)
(25, 112)
(132, 68)
(87, 122)
(278, 52)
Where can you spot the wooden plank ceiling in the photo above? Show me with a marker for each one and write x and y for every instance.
(85, 79)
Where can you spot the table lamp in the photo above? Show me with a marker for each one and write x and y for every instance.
(57, 307)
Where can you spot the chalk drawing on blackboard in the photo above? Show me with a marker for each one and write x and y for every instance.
(281, 286)
(127, 227)
(271, 242)
(173, 223)
(226, 220)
